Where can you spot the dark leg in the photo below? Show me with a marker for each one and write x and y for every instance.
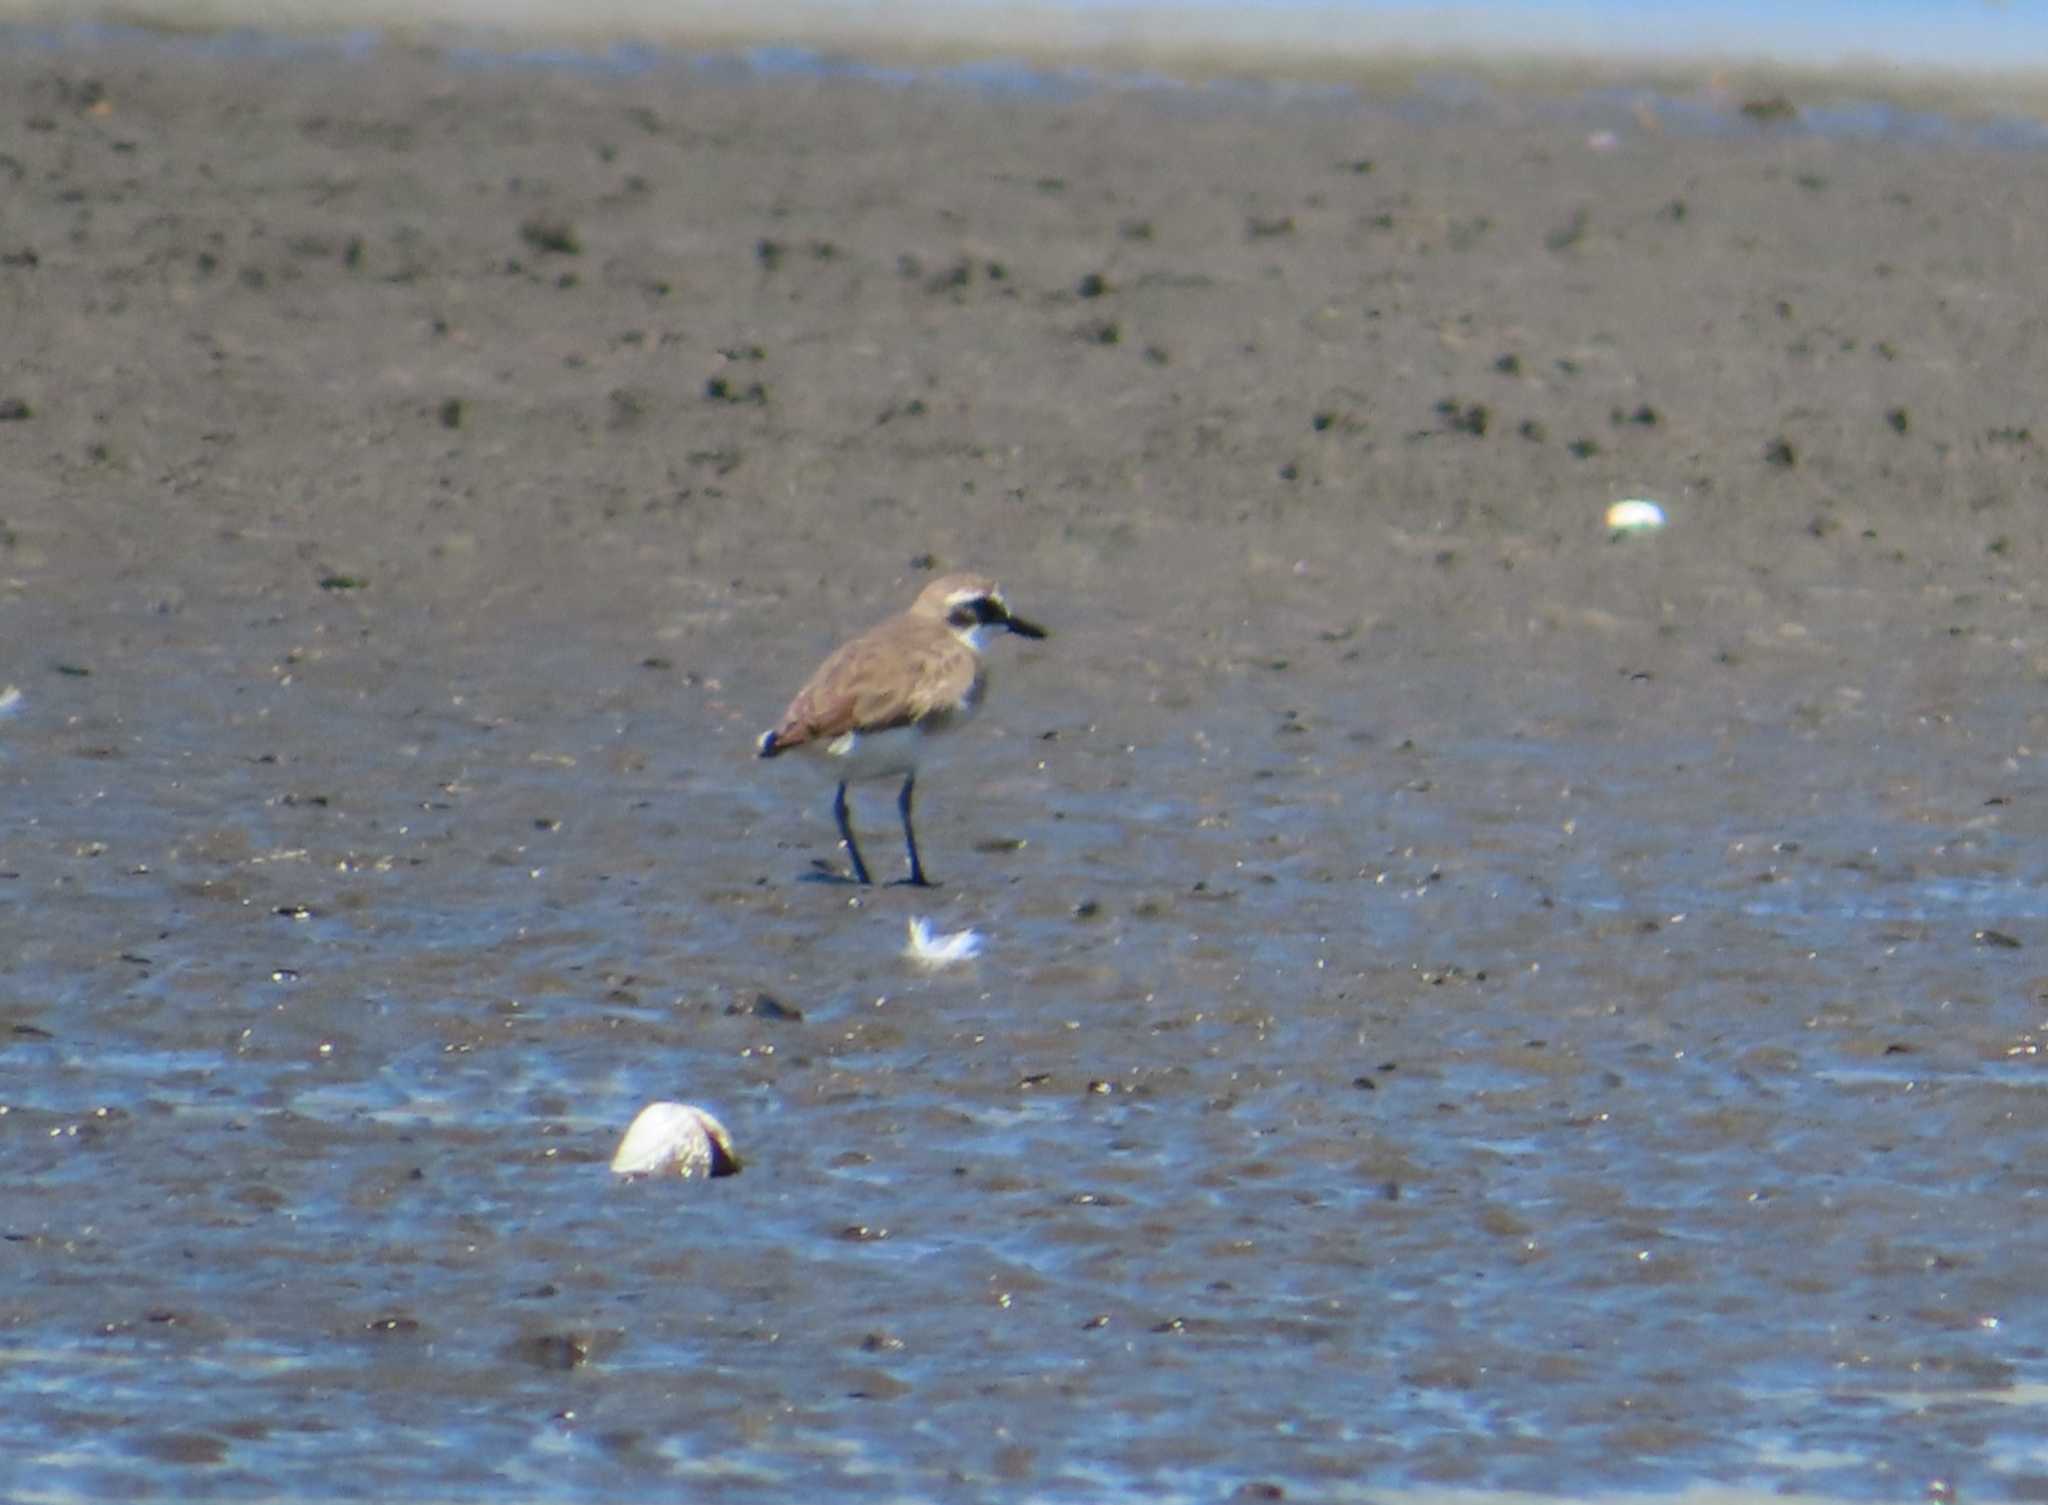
(917, 878)
(860, 869)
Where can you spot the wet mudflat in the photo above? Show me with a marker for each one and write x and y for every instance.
(1468, 1002)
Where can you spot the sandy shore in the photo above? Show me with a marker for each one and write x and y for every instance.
(679, 351)
(1448, 973)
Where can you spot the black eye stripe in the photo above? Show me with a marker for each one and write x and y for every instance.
(978, 612)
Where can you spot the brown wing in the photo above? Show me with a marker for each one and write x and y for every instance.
(897, 674)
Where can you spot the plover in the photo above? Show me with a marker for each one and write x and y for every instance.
(874, 703)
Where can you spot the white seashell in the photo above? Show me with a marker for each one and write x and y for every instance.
(930, 950)
(1635, 515)
(675, 1139)
(10, 700)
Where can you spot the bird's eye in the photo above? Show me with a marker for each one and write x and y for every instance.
(963, 616)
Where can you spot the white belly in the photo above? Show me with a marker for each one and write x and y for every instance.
(856, 756)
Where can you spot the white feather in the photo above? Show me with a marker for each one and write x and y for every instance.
(929, 949)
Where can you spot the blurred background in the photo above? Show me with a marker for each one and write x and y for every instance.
(1305, 37)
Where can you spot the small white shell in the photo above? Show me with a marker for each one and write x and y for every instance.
(1635, 515)
(930, 950)
(676, 1139)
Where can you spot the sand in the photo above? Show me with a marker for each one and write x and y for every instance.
(1447, 969)
(683, 349)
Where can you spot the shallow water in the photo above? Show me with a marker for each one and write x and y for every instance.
(1645, 1105)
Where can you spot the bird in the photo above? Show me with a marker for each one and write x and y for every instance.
(878, 698)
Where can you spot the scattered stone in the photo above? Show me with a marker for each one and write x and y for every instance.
(1464, 418)
(554, 236)
(768, 1006)
(718, 389)
(1571, 232)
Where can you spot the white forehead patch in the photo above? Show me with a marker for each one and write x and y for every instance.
(962, 597)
